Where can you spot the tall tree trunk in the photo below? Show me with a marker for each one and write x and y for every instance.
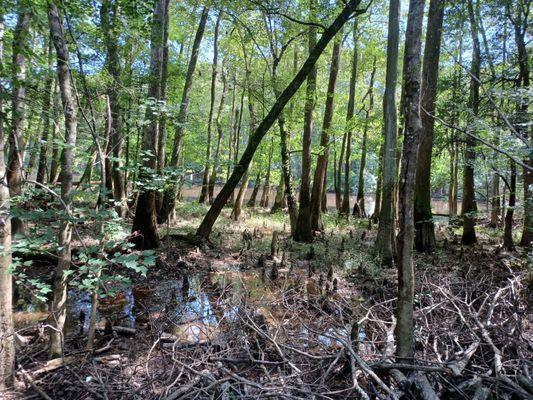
(108, 165)
(169, 199)
(216, 163)
(303, 231)
(404, 331)
(54, 163)
(265, 197)
(204, 195)
(360, 200)
(253, 196)
(424, 226)
(469, 207)
(452, 192)
(280, 199)
(210, 218)
(59, 303)
(379, 183)
(322, 161)
(145, 220)
(45, 116)
(18, 104)
(110, 17)
(345, 205)
(384, 245)
(7, 342)
(508, 228)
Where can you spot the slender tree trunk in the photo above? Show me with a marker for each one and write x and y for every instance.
(169, 200)
(265, 197)
(345, 205)
(54, 163)
(210, 218)
(303, 231)
(108, 165)
(145, 220)
(110, 17)
(322, 162)
(18, 105)
(379, 183)
(404, 331)
(216, 163)
(508, 228)
(360, 200)
(424, 225)
(59, 303)
(469, 207)
(204, 196)
(45, 116)
(452, 192)
(7, 342)
(280, 199)
(384, 246)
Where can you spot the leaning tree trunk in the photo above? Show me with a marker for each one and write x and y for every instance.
(424, 226)
(469, 207)
(7, 342)
(18, 104)
(216, 163)
(145, 220)
(204, 195)
(322, 162)
(210, 218)
(404, 331)
(303, 231)
(169, 198)
(59, 303)
(384, 245)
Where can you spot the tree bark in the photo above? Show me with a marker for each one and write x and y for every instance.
(7, 342)
(508, 228)
(216, 163)
(253, 197)
(145, 220)
(54, 163)
(59, 306)
(169, 199)
(110, 17)
(210, 218)
(265, 197)
(303, 231)
(322, 161)
(424, 225)
(360, 199)
(345, 203)
(469, 207)
(18, 105)
(204, 195)
(404, 330)
(384, 246)
(45, 116)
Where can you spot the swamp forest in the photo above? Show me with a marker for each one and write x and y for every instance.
(266, 199)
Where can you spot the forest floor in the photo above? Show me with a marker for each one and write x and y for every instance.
(251, 317)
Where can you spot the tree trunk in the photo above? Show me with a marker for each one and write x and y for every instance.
(495, 201)
(404, 331)
(424, 225)
(16, 145)
(169, 199)
(59, 306)
(54, 163)
(145, 220)
(216, 163)
(280, 199)
(360, 200)
(265, 197)
(345, 205)
(384, 246)
(45, 116)
(322, 162)
(377, 199)
(253, 196)
(110, 17)
(204, 195)
(469, 207)
(508, 228)
(7, 342)
(452, 193)
(210, 218)
(303, 231)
